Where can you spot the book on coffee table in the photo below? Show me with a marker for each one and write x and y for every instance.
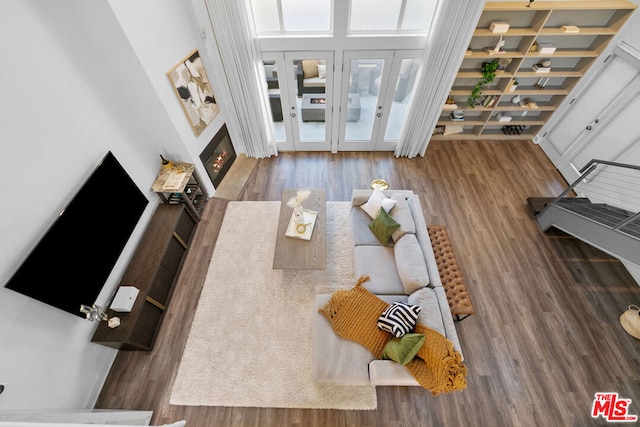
(306, 227)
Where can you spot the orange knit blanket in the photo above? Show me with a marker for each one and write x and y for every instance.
(353, 314)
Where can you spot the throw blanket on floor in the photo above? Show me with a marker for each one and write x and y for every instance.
(354, 313)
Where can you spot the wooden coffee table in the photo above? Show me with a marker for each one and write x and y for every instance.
(297, 254)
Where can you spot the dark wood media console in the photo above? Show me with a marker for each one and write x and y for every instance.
(153, 269)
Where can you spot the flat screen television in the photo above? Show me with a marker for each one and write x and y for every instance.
(72, 261)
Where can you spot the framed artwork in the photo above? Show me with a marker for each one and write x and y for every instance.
(193, 88)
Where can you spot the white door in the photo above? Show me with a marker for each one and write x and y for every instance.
(300, 95)
(375, 95)
(596, 124)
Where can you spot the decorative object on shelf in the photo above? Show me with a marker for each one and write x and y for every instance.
(503, 63)
(515, 99)
(450, 104)
(114, 322)
(543, 66)
(497, 49)
(546, 48)
(453, 129)
(503, 117)
(457, 116)
(192, 86)
(124, 299)
(488, 71)
(94, 312)
(513, 85)
(438, 130)
(534, 47)
(513, 129)
(630, 321)
(570, 29)
(296, 204)
(499, 27)
(381, 183)
(166, 163)
(528, 103)
(541, 83)
(530, 1)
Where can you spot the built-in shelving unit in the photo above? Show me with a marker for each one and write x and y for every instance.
(530, 27)
(153, 270)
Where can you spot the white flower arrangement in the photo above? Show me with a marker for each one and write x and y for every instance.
(300, 197)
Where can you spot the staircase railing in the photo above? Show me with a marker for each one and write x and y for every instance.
(613, 190)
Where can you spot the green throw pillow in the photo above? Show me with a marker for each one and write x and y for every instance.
(403, 349)
(383, 226)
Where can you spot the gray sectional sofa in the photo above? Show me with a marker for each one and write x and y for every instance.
(402, 270)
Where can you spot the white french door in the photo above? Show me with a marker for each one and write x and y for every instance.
(375, 94)
(300, 86)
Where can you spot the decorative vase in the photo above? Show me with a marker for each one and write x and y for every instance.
(515, 99)
(298, 215)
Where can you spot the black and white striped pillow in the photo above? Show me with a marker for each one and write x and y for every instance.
(399, 318)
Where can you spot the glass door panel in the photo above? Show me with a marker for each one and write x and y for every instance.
(375, 98)
(402, 93)
(310, 99)
(362, 100)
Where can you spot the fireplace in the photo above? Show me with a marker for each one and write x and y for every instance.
(218, 156)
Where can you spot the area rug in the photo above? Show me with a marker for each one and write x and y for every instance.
(250, 341)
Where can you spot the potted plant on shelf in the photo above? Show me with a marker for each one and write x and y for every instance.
(488, 71)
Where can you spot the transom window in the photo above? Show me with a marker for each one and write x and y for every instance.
(273, 17)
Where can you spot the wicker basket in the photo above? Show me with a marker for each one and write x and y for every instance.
(630, 321)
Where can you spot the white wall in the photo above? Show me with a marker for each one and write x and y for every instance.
(73, 89)
(161, 41)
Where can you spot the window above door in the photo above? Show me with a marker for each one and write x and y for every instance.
(294, 17)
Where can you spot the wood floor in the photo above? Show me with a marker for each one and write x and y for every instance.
(545, 337)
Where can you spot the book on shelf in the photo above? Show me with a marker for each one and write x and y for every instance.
(489, 100)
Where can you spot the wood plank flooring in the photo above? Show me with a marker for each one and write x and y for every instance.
(545, 337)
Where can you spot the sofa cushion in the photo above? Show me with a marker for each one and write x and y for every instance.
(399, 318)
(376, 201)
(430, 315)
(383, 226)
(401, 213)
(379, 264)
(310, 68)
(360, 231)
(402, 350)
(410, 263)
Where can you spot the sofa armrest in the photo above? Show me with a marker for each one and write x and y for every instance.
(359, 197)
